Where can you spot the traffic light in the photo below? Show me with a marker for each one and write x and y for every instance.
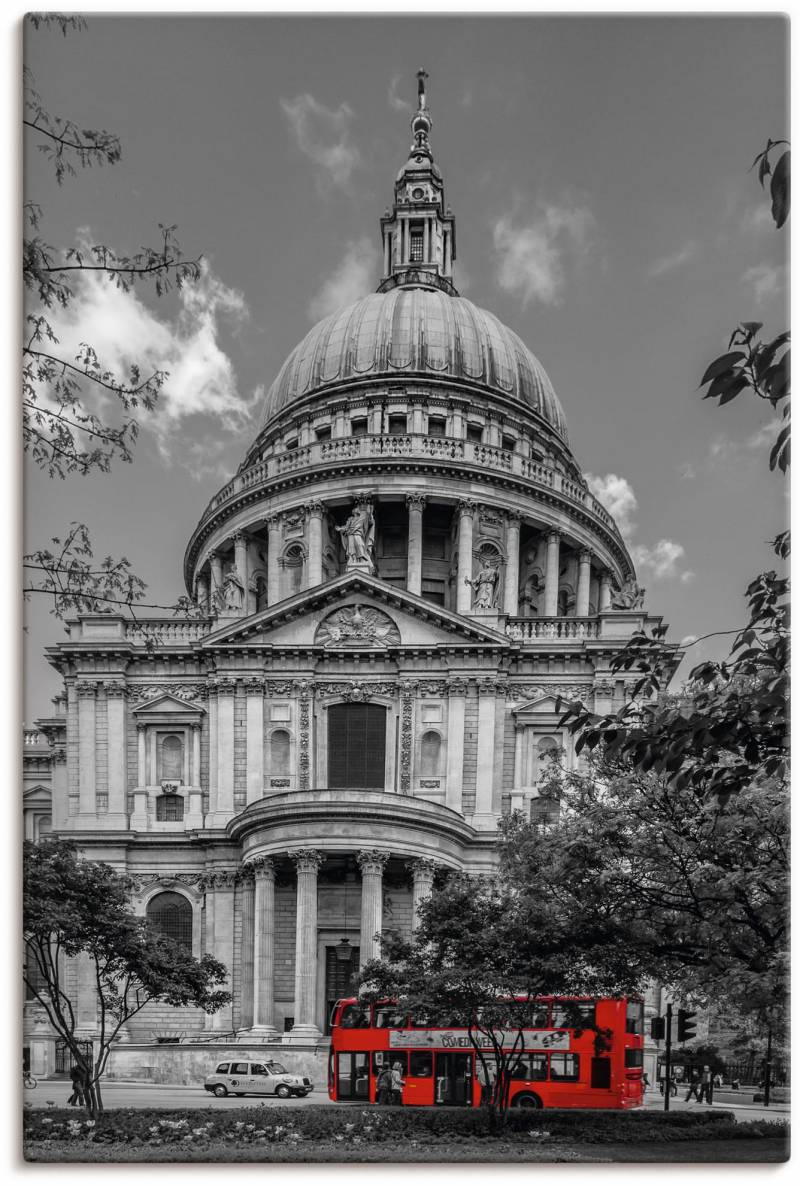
(686, 1025)
(658, 1029)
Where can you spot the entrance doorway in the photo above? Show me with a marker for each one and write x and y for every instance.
(453, 1079)
(64, 1058)
(339, 978)
(357, 746)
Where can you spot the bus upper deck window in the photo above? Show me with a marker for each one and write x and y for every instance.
(354, 1017)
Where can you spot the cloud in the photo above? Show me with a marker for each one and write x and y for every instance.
(758, 219)
(765, 281)
(670, 263)
(352, 279)
(661, 560)
(324, 136)
(395, 101)
(723, 452)
(686, 471)
(616, 495)
(201, 380)
(533, 258)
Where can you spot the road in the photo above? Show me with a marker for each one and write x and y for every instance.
(54, 1093)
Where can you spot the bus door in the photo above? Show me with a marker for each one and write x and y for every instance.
(419, 1078)
(453, 1078)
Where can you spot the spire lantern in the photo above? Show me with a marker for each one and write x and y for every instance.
(419, 234)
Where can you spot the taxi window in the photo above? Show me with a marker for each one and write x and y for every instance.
(239, 1068)
(222, 1069)
(258, 1068)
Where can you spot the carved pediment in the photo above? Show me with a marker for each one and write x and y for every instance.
(167, 705)
(353, 625)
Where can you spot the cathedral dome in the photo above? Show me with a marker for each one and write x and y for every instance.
(414, 331)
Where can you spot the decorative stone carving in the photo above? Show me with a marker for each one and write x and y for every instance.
(457, 686)
(293, 522)
(466, 506)
(262, 868)
(307, 860)
(304, 736)
(416, 502)
(279, 687)
(314, 508)
(115, 690)
(254, 685)
(630, 596)
(85, 689)
(357, 625)
(408, 691)
(371, 861)
(358, 538)
(430, 784)
(141, 692)
(219, 879)
(485, 585)
(280, 782)
(433, 688)
(226, 686)
(58, 755)
(537, 691)
(357, 691)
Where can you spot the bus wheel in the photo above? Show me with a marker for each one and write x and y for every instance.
(526, 1101)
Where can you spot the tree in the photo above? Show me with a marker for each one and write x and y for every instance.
(486, 947)
(73, 906)
(79, 416)
(731, 727)
(702, 884)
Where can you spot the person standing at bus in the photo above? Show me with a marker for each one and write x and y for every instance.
(383, 1086)
(398, 1083)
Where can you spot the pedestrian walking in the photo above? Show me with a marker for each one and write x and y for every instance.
(78, 1077)
(706, 1086)
(383, 1086)
(694, 1089)
(645, 1081)
(398, 1083)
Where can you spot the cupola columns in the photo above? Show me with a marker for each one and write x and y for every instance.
(551, 575)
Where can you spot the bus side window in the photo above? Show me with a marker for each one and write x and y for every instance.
(539, 1015)
(421, 1064)
(538, 1066)
(354, 1017)
(564, 1067)
(389, 1019)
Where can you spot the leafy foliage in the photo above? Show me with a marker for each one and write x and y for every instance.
(75, 907)
(779, 187)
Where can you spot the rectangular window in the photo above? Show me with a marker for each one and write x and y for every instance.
(358, 427)
(239, 1068)
(540, 1015)
(573, 1014)
(437, 426)
(381, 1057)
(222, 1069)
(421, 1064)
(508, 444)
(323, 433)
(601, 1073)
(388, 1018)
(356, 745)
(397, 425)
(416, 243)
(102, 803)
(474, 433)
(634, 1058)
(434, 545)
(634, 1017)
(564, 1067)
(393, 541)
(291, 443)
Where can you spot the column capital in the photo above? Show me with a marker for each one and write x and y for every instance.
(423, 869)
(363, 498)
(239, 537)
(457, 687)
(307, 860)
(261, 868)
(213, 555)
(196, 726)
(273, 522)
(489, 687)
(219, 879)
(416, 502)
(467, 506)
(513, 518)
(86, 689)
(226, 686)
(371, 861)
(315, 508)
(254, 685)
(115, 689)
(58, 755)
(584, 556)
(141, 727)
(553, 537)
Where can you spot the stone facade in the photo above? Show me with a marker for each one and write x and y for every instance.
(404, 576)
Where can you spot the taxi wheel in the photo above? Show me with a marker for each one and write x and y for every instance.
(282, 1092)
(220, 1091)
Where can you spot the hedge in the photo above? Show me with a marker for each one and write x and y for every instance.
(259, 1124)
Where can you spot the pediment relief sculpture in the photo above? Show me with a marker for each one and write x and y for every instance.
(357, 625)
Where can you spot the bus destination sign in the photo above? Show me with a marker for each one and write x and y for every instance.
(457, 1039)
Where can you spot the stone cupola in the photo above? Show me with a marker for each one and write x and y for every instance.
(419, 233)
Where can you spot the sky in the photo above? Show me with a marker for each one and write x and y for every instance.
(598, 171)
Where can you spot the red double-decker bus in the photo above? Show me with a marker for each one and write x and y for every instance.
(559, 1067)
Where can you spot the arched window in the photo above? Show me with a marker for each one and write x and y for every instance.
(293, 560)
(430, 754)
(279, 747)
(172, 757)
(171, 915)
(169, 808)
(44, 825)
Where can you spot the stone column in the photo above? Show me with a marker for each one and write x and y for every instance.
(466, 511)
(240, 559)
(551, 574)
(215, 560)
(511, 589)
(115, 707)
(246, 966)
(58, 758)
(415, 504)
(308, 863)
(584, 577)
(314, 512)
(605, 592)
(422, 872)
(225, 694)
(457, 691)
(141, 734)
(86, 1003)
(264, 949)
(371, 865)
(520, 778)
(220, 886)
(484, 784)
(202, 593)
(254, 689)
(87, 748)
(213, 751)
(195, 778)
(273, 559)
(386, 240)
(194, 816)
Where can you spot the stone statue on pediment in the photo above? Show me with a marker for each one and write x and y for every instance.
(485, 586)
(233, 591)
(630, 596)
(358, 539)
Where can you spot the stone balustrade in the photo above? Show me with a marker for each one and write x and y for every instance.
(529, 629)
(33, 737)
(408, 445)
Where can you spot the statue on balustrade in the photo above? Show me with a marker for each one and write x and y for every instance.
(233, 591)
(485, 585)
(358, 539)
(630, 596)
